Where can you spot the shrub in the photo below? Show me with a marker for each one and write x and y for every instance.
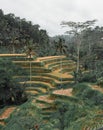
(24, 118)
(100, 81)
(93, 96)
(88, 77)
(79, 88)
(88, 95)
(10, 90)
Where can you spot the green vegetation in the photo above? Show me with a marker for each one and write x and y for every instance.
(80, 113)
(15, 33)
(25, 118)
(10, 90)
(77, 68)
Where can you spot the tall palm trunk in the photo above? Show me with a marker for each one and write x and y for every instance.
(13, 49)
(61, 70)
(78, 56)
(13, 45)
(78, 59)
(30, 72)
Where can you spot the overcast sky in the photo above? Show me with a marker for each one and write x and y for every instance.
(50, 13)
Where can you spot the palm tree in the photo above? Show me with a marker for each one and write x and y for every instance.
(29, 50)
(60, 46)
(10, 90)
(61, 49)
(14, 39)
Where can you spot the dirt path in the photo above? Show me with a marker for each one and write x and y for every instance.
(50, 57)
(10, 55)
(7, 113)
(96, 87)
(66, 92)
(65, 75)
(41, 105)
(45, 98)
(31, 91)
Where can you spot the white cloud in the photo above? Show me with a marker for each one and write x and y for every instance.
(50, 13)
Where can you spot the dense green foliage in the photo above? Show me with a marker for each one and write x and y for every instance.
(24, 118)
(82, 110)
(88, 95)
(10, 90)
(15, 34)
(71, 115)
(28, 117)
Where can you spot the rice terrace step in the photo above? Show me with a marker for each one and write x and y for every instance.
(44, 81)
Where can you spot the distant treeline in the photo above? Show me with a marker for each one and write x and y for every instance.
(16, 32)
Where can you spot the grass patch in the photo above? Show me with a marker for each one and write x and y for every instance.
(48, 61)
(63, 97)
(59, 63)
(88, 95)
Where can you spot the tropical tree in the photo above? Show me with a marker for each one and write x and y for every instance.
(27, 118)
(29, 49)
(14, 32)
(10, 90)
(77, 29)
(14, 40)
(60, 46)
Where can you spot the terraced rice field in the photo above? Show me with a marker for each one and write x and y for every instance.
(6, 113)
(66, 92)
(48, 77)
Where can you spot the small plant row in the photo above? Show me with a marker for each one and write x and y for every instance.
(56, 62)
(67, 70)
(49, 80)
(52, 60)
(51, 76)
(63, 97)
(49, 58)
(61, 63)
(36, 84)
(65, 65)
(12, 55)
(38, 89)
(37, 70)
(54, 76)
(27, 63)
(94, 125)
(18, 58)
